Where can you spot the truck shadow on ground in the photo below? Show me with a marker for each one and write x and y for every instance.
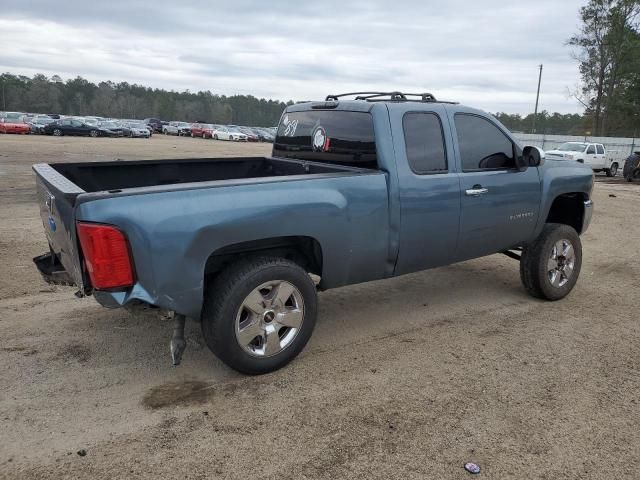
(137, 345)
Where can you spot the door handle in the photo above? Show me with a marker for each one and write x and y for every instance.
(476, 191)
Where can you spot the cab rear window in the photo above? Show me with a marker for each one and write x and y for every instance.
(336, 136)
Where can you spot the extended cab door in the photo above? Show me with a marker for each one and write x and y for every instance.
(591, 157)
(429, 188)
(499, 204)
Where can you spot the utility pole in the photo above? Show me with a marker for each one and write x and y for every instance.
(535, 113)
(4, 100)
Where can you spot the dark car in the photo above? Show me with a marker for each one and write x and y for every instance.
(155, 124)
(37, 124)
(73, 126)
(264, 134)
(252, 136)
(118, 129)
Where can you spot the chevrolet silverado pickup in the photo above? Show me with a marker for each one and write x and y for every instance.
(356, 189)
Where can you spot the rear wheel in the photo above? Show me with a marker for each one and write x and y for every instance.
(93, 133)
(259, 314)
(215, 137)
(613, 170)
(57, 132)
(550, 266)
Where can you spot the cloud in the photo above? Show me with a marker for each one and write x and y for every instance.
(482, 53)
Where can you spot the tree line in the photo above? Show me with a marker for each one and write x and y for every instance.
(78, 96)
(547, 123)
(607, 48)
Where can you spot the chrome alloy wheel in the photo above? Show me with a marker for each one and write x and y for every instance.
(561, 263)
(269, 318)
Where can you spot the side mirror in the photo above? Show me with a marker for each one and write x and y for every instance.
(532, 156)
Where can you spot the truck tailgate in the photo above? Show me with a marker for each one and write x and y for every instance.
(56, 198)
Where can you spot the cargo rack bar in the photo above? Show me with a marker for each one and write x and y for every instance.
(382, 96)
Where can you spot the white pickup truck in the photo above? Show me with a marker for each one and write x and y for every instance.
(592, 154)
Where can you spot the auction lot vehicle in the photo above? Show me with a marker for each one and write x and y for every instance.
(14, 123)
(221, 132)
(38, 123)
(176, 128)
(355, 190)
(154, 124)
(592, 154)
(631, 169)
(204, 130)
(73, 126)
(138, 129)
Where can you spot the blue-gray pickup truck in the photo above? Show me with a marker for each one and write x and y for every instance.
(359, 187)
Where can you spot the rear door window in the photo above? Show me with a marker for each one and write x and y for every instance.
(424, 143)
(335, 136)
(600, 149)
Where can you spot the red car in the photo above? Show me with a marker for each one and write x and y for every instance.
(14, 124)
(204, 130)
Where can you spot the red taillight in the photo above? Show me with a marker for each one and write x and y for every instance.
(106, 255)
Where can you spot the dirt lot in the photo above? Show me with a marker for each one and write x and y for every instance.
(405, 378)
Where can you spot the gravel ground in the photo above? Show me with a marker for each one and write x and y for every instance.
(404, 378)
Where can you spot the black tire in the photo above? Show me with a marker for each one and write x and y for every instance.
(225, 296)
(534, 271)
(631, 169)
(215, 137)
(612, 172)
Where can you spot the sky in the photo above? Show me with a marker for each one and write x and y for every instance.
(483, 53)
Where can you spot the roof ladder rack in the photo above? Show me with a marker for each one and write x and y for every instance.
(385, 96)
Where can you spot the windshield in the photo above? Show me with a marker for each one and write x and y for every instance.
(335, 136)
(572, 147)
(13, 118)
(138, 125)
(43, 121)
(109, 124)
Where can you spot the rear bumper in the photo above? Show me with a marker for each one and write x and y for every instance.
(588, 213)
(52, 270)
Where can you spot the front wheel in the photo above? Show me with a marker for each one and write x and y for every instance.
(550, 266)
(612, 171)
(57, 132)
(94, 133)
(259, 314)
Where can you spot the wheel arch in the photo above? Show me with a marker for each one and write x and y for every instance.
(304, 250)
(568, 209)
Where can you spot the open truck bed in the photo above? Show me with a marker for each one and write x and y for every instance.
(68, 192)
(118, 175)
